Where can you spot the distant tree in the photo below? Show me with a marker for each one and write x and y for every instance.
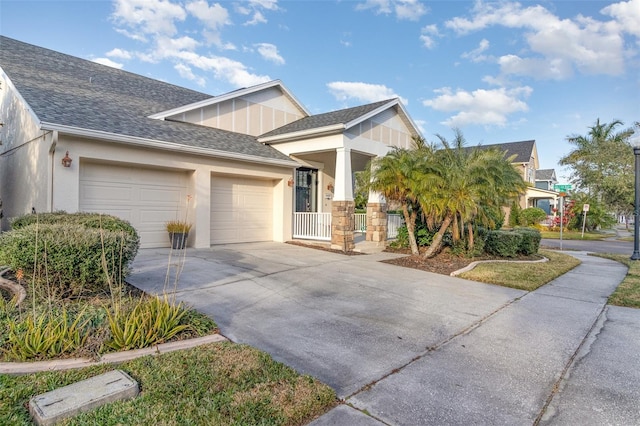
(602, 164)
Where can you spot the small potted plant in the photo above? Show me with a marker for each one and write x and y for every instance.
(178, 233)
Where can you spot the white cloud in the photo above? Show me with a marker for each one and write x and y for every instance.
(364, 92)
(410, 10)
(627, 14)
(186, 72)
(214, 17)
(258, 18)
(426, 36)
(269, 52)
(476, 55)
(223, 68)
(148, 16)
(108, 62)
(485, 107)
(582, 43)
(119, 53)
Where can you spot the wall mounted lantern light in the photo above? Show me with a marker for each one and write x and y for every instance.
(66, 161)
(290, 182)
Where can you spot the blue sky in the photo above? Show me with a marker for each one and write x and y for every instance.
(499, 71)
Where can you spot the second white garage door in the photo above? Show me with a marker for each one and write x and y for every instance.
(241, 210)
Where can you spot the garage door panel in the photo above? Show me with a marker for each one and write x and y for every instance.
(241, 210)
(147, 198)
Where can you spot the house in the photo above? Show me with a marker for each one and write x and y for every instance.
(250, 165)
(540, 182)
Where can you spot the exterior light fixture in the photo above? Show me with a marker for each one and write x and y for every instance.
(66, 161)
(290, 182)
(330, 187)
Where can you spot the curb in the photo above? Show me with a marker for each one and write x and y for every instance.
(477, 262)
(18, 368)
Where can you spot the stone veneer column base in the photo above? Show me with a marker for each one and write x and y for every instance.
(377, 222)
(342, 223)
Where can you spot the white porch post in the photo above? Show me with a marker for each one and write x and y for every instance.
(343, 186)
(343, 207)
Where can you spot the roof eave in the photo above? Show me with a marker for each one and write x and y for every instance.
(319, 131)
(164, 145)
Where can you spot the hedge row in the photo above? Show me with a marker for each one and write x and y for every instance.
(71, 254)
(519, 241)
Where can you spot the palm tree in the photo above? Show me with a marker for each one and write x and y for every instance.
(463, 185)
(399, 176)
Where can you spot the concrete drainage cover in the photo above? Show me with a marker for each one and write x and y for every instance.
(86, 395)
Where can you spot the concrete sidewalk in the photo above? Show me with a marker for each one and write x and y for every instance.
(402, 346)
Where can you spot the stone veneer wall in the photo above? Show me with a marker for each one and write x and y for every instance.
(342, 223)
(376, 222)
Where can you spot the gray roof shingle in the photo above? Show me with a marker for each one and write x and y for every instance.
(317, 121)
(522, 150)
(69, 91)
(545, 174)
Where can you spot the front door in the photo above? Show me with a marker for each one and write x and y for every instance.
(306, 190)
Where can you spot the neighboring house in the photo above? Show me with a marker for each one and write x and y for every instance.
(525, 160)
(249, 165)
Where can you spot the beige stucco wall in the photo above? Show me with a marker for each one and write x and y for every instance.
(24, 159)
(66, 181)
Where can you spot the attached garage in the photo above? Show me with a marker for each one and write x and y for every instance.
(146, 197)
(241, 209)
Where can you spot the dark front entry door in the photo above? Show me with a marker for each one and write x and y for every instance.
(306, 190)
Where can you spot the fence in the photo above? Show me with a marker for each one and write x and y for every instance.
(394, 221)
(313, 226)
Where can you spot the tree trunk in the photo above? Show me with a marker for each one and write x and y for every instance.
(456, 228)
(471, 242)
(436, 244)
(410, 221)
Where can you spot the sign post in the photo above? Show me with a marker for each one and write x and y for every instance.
(585, 209)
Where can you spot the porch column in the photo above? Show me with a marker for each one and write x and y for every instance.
(343, 206)
(376, 218)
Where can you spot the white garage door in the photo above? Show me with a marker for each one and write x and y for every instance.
(147, 198)
(241, 210)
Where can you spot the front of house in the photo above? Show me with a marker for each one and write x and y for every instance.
(250, 165)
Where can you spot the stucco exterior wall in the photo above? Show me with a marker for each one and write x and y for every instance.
(66, 181)
(24, 159)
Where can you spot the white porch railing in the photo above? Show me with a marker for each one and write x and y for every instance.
(312, 226)
(360, 222)
(394, 221)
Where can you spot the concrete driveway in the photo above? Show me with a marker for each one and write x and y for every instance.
(410, 347)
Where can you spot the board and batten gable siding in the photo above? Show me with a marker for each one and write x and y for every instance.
(252, 114)
(386, 127)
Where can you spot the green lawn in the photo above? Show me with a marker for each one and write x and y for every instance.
(216, 384)
(628, 292)
(575, 235)
(523, 276)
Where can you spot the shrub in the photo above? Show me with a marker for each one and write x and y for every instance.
(503, 243)
(530, 240)
(69, 253)
(532, 216)
(514, 214)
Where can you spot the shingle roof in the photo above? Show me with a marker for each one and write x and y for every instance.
(522, 150)
(69, 91)
(318, 121)
(545, 174)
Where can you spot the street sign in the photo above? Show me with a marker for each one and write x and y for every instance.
(585, 208)
(562, 188)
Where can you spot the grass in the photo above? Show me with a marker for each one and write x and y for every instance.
(628, 292)
(574, 235)
(216, 384)
(523, 276)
